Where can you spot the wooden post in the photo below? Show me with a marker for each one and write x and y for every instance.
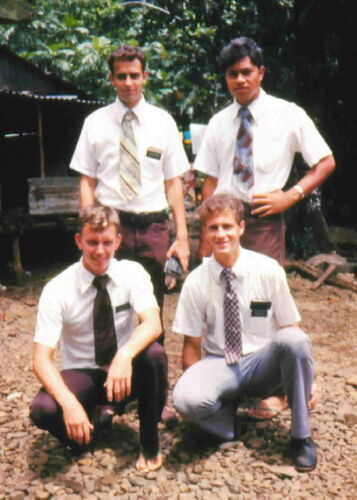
(16, 269)
(40, 140)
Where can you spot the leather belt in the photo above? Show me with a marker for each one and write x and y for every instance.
(143, 218)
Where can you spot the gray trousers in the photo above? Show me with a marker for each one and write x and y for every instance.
(210, 391)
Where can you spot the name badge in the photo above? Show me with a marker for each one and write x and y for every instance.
(123, 307)
(154, 153)
(260, 309)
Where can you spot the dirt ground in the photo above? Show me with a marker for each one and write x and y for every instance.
(33, 465)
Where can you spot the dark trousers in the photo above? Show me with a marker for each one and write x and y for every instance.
(265, 235)
(148, 245)
(149, 386)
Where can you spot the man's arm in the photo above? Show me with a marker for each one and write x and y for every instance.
(191, 351)
(279, 201)
(180, 247)
(208, 188)
(86, 191)
(118, 383)
(77, 424)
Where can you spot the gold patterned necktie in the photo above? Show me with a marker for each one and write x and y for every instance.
(232, 331)
(243, 155)
(129, 171)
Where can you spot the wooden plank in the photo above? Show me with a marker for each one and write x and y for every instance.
(53, 195)
(315, 272)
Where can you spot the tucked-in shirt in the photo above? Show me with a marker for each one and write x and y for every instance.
(265, 302)
(280, 129)
(161, 154)
(65, 310)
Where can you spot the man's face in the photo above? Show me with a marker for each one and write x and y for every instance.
(223, 233)
(243, 80)
(98, 247)
(128, 79)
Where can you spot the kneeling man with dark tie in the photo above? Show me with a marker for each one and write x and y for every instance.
(241, 301)
(105, 315)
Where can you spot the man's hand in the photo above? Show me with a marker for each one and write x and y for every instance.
(274, 202)
(77, 424)
(180, 248)
(118, 383)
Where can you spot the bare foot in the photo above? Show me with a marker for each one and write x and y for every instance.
(268, 408)
(148, 464)
(313, 398)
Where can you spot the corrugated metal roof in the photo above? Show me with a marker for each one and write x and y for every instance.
(26, 95)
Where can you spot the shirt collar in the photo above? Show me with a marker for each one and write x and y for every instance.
(255, 107)
(240, 267)
(86, 278)
(138, 110)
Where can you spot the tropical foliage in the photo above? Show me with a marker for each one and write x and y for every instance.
(310, 52)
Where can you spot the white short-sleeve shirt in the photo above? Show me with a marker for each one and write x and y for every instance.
(280, 129)
(264, 298)
(65, 312)
(161, 154)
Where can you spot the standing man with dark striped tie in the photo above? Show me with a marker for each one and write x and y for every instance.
(248, 149)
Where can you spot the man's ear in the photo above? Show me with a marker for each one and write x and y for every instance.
(119, 240)
(78, 240)
(261, 73)
(241, 227)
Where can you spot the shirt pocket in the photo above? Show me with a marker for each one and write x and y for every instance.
(259, 317)
(153, 165)
(122, 317)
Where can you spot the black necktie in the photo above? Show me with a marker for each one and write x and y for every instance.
(105, 341)
(233, 339)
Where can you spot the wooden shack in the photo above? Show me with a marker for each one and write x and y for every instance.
(40, 120)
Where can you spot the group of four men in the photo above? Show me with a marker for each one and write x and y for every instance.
(104, 312)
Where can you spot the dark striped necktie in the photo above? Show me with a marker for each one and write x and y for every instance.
(243, 155)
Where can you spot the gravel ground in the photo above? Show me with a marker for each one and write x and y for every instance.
(34, 466)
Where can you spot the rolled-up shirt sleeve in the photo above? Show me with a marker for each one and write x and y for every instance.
(49, 323)
(284, 307)
(310, 143)
(190, 313)
(84, 157)
(142, 295)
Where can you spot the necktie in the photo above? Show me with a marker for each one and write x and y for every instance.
(129, 172)
(233, 339)
(243, 155)
(105, 341)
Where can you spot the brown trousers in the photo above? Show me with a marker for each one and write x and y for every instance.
(265, 235)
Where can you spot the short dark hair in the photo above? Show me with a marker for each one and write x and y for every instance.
(98, 218)
(126, 53)
(221, 203)
(239, 48)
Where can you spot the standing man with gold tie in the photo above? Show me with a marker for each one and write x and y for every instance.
(248, 149)
(131, 158)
